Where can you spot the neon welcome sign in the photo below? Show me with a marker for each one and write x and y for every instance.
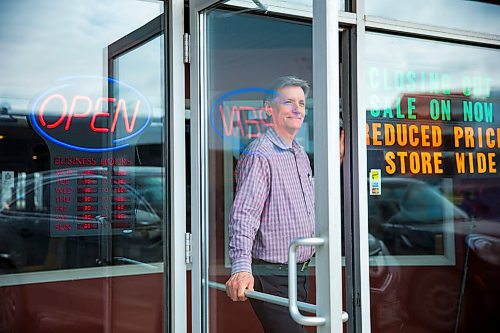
(90, 122)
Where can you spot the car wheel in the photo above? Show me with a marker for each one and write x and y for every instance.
(435, 299)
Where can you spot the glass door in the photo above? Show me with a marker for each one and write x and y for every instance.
(137, 67)
(255, 172)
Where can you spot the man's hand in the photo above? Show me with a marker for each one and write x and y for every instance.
(236, 285)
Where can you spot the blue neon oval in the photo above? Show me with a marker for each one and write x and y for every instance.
(71, 81)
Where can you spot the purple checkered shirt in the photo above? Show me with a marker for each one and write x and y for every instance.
(274, 203)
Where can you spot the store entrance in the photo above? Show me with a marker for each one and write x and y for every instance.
(247, 206)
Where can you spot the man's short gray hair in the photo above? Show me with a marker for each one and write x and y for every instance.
(286, 81)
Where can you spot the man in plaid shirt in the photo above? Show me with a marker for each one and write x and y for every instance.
(274, 203)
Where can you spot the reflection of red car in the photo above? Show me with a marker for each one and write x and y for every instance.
(384, 287)
(482, 288)
(420, 225)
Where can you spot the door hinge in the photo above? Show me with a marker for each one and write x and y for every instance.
(189, 248)
(358, 299)
(187, 48)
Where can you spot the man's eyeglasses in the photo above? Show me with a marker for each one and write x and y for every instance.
(301, 105)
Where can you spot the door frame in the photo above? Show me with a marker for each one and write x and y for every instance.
(328, 221)
(326, 85)
(175, 285)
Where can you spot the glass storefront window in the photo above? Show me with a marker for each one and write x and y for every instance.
(57, 131)
(478, 16)
(82, 176)
(433, 159)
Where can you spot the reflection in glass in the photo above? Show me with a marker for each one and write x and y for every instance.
(479, 16)
(71, 178)
(76, 210)
(433, 141)
(245, 54)
(302, 8)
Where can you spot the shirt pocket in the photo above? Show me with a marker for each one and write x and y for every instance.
(308, 188)
(310, 191)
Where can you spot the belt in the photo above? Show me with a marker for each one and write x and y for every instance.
(282, 267)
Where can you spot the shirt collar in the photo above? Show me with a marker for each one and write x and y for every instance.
(278, 141)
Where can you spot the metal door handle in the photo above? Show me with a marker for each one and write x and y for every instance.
(292, 282)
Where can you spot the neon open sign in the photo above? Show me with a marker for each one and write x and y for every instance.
(74, 116)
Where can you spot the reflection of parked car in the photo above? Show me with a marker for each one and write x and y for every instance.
(411, 217)
(385, 307)
(482, 289)
(27, 242)
(415, 220)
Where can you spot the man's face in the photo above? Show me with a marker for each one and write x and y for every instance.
(288, 110)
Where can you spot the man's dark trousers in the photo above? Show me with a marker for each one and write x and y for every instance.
(273, 279)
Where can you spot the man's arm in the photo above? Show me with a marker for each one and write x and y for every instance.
(253, 182)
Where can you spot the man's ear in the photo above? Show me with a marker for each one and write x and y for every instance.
(268, 109)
